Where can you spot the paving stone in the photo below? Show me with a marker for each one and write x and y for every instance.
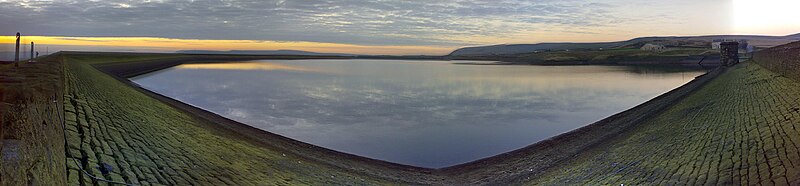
(73, 177)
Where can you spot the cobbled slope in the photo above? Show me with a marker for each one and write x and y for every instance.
(741, 128)
(120, 135)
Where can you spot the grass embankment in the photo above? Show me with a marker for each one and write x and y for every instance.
(31, 134)
(613, 55)
(608, 56)
(148, 142)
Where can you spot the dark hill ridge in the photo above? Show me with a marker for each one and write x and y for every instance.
(261, 52)
(511, 49)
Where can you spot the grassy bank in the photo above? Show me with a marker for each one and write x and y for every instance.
(31, 134)
(617, 56)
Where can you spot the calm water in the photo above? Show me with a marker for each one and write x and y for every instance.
(422, 113)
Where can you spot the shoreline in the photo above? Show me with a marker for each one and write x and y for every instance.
(223, 122)
(598, 132)
(117, 70)
(688, 63)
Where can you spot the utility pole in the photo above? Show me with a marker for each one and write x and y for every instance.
(16, 53)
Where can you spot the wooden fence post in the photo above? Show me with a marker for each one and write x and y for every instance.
(31, 60)
(16, 53)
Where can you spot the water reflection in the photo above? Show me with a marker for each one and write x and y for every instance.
(429, 114)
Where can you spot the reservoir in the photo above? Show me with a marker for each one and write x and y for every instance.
(421, 113)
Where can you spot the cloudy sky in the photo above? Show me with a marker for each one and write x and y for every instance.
(360, 26)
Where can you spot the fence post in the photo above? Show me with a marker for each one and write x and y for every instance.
(31, 60)
(16, 53)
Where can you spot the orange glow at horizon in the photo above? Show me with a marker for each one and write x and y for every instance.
(247, 66)
(169, 44)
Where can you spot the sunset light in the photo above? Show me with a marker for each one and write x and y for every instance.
(154, 44)
(399, 92)
(766, 17)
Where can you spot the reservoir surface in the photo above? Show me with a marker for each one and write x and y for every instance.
(422, 113)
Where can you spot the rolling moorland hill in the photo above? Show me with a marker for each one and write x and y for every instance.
(261, 52)
(690, 41)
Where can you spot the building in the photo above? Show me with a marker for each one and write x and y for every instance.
(729, 53)
(653, 47)
(743, 46)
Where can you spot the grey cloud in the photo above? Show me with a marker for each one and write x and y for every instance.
(377, 22)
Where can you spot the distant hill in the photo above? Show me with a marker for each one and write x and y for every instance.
(527, 48)
(693, 41)
(261, 52)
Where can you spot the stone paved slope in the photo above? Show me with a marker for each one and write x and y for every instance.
(143, 141)
(741, 128)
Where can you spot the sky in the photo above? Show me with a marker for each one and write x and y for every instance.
(397, 27)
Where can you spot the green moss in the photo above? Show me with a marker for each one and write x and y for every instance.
(169, 144)
(738, 129)
(742, 121)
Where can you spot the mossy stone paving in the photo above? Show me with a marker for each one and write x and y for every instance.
(742, 128)
(146, 142)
